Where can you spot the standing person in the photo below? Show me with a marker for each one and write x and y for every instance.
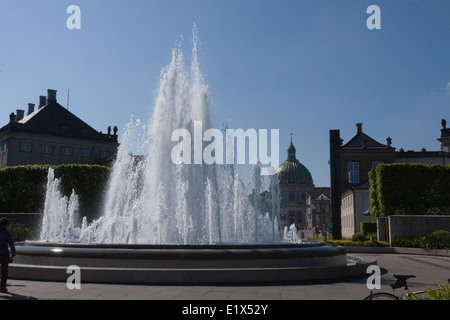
(5, 240)
(324, 232)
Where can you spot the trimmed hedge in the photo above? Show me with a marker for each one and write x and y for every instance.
(22, 188)
(368, 227)
(88, 181)
(359, 237)
(402, 188)
(436, 240)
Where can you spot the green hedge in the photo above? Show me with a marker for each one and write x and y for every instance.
(22, 188)
(88, 181)
(368, 227)
(409, 189)
(432, 294)
(436, 240)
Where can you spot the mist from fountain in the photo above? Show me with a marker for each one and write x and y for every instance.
(152, 200)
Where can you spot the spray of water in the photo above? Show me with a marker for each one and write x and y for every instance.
(60, 214)
(153, 200)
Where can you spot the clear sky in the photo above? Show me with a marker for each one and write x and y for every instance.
(301, 66)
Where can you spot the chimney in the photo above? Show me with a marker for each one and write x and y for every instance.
(42, 101)
(51, 96)
(20, 114)
(30, 108)
(359, 128)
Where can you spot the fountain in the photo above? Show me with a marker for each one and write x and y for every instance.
(174, 222)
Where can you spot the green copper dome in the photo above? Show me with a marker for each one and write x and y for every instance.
(291, 171)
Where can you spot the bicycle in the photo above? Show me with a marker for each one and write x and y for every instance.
(401, 282)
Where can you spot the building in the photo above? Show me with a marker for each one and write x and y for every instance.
(319, 206)
(362, 153)
(302, 203)
(51, 134)
(296, 184)
(355, 208)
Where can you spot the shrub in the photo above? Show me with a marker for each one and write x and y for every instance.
(359, 237)
(375, 243)
(402, 188)
(437, 240)
(88, 181)
(22, 188)
(368, 227)
(21, 233)
(415, 242)
(442, 294)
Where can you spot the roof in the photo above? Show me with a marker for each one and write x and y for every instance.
(322, 197)
(362, 186)
(291, 171)
(318, 191)
(54, 119)
(362, 140)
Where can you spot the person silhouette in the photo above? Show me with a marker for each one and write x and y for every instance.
(6, 240)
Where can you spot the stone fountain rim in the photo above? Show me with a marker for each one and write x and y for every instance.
(218, 273)
(171, 246)
(122, 251)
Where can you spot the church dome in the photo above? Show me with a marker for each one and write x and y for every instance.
(291, 171)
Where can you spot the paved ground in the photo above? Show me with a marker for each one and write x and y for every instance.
(428, 270)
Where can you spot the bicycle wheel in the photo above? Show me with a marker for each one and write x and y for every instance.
(381, 296)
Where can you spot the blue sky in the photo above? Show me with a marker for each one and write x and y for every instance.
(303, 67)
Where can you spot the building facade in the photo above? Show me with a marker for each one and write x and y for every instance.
(319, 207)
(296, 183)
(302, 203)
(51, 134)
(359, 156)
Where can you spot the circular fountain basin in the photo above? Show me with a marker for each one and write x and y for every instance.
(185, 264)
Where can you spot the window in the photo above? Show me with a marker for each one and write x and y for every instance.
(46, 149)
(375, 163)
(85, 153)
(66, 151)
(104, 154)
(292, 197)
(353, 172)
(25, 147)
